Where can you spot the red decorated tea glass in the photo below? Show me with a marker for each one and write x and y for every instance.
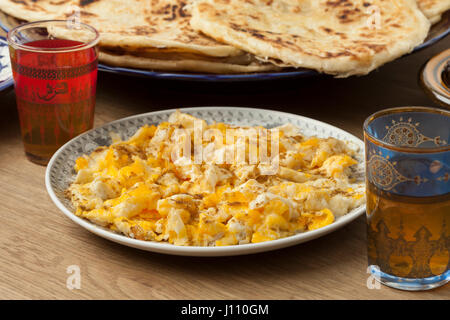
(54, 66)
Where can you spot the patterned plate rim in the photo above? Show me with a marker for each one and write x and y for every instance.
(8, 82)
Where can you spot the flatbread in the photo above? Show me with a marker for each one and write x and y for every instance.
(433, 9)
(168, 59)
(32, 10)
(130, 23)
(192, 65)
(331, 36)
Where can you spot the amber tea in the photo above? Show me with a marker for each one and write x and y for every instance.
(408, 197)
(407, 236)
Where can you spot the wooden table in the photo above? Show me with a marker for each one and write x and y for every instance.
(38, 243)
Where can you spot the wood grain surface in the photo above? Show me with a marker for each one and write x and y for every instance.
(38, 243)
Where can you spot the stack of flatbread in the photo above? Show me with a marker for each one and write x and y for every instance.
(339, 37)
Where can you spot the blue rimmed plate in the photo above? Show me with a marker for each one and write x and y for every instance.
(437, 32)
(6, 78)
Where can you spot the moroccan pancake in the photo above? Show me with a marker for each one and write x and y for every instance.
(132, 23)
(146, 58)
(433, 9)
(33, 10)
(169, 59)
(340, 37)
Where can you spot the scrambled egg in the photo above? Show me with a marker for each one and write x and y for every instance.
(136, 187)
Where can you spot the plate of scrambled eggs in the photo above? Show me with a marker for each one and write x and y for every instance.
(210, 181)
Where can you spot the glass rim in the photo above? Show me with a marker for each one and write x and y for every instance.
(387, 145)
(82, 46)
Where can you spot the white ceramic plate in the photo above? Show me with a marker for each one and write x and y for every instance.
(60, 172)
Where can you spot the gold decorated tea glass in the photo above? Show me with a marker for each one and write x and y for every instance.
(408, 196)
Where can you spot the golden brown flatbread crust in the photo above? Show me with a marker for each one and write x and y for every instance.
(331, 36)
(132, 23)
